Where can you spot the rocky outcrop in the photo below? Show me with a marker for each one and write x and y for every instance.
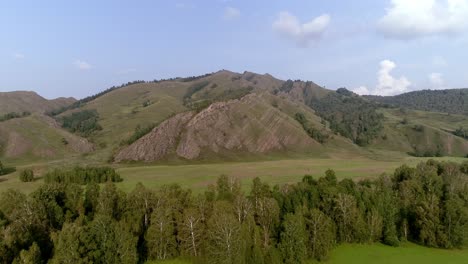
(248, 125)
(159, 143)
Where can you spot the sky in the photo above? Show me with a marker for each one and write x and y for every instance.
(381, 47)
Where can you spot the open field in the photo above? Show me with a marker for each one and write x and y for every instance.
(274, 172)
(199, 176)
(406, 253)
(382, 254)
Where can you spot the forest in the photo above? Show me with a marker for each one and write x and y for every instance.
(444, 101)
(349, 115)
(84, 122)
(69, 223)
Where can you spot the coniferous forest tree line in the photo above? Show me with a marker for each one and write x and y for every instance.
(69, 223)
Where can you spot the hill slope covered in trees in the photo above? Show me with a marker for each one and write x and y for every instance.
(454, 101)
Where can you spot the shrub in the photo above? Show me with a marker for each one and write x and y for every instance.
(6, 170)
(418, 128)
(461, 132)
(27, 175)
(147, 103)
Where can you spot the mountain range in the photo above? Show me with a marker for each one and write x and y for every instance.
(231, 116)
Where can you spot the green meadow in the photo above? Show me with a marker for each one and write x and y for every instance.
(406, 253)
(199, 176)
(381, 254)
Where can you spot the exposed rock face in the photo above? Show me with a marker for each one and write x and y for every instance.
(246, 125)
(158, 143)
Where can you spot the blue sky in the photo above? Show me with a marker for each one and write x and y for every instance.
(78, 48)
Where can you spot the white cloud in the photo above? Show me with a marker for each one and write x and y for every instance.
(437, 81)
(18, 56)
(289, 26)
(362, 90)
(231, 13)
(387, 84)
(408, 19)
(82, 65)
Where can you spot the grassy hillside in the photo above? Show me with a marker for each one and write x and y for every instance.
(125, 109)
(122, 110)
(38, 137)
(128, 112)
(255, 124)
(422, 133)
(22, 101)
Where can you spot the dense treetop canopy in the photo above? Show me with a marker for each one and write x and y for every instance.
(292, 223)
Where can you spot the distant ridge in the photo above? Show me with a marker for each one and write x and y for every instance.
(28, 101)
(454, 101)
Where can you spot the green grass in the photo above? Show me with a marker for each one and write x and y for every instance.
(172, 261)
(199, 176)
(274, 172)
(35, 138)
(382, 254)
(378, 253)
(406, 253)
(435, 133)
